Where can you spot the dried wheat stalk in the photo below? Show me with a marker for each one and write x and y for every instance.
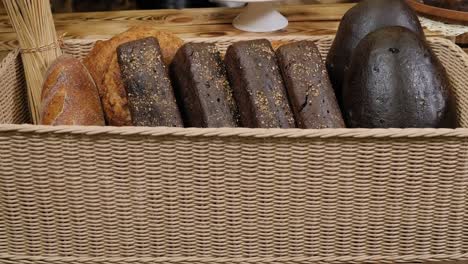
(35, 29)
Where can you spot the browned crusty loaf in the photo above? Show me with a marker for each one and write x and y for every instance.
(114, 96)
(103, 65)
(69, 95)
(275, 44)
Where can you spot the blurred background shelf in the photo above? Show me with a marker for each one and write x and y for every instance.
(67, 6)
(312, 19)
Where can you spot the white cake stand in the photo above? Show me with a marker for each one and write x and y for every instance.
(259, 16)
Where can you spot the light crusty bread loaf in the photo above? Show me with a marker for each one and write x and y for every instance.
(69, 95)
(103, 65)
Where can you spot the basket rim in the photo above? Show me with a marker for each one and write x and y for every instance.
(326, 259)
(457, 50)
(226, 38)
(238, 132)
(444, 41)
(447, 43)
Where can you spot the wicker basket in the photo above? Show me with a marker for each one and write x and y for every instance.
(166, 195)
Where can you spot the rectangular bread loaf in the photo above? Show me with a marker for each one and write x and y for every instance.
(258, 86)
(310, 92)
(151, 98)
(199, 77)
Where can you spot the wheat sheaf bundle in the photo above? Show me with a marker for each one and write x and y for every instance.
(34, 25)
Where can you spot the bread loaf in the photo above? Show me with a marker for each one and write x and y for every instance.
(200, 81)
(309, 89)
(258, 86)
(114, 96)
(103, 65)
(69, 95)
(150, 95)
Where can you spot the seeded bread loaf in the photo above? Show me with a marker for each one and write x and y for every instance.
(151, 98)
(310, 92)
(201, 84)
(258, 86)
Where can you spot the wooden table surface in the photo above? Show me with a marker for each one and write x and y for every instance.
(319, 19)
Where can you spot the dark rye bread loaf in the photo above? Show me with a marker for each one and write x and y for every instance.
(310, 92)
(202, 88)
(258, 86)
(151, 99)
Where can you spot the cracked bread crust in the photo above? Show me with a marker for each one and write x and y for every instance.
(69, 95)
